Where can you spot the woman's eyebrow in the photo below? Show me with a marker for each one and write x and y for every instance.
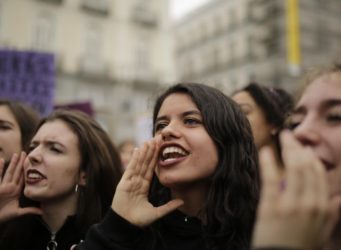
(189, 112)
(160, 118)
(299, 110)
(331, 103)
(6, 122)
(48, 142)
(54, 142)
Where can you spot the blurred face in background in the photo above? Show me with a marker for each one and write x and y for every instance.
(126, 150)
(10, 135)
(317, 124)
(261, 128)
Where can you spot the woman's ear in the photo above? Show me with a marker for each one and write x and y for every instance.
(274, 131)
(82, 178)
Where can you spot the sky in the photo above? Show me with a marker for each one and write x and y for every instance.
(179, 8)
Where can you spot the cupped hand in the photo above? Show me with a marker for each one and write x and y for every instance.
(11, 184)
(295, 209)
(131, 197)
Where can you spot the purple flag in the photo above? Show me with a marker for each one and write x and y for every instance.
(28, 77)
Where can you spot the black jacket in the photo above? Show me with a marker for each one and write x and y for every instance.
(174, 231)
(31, 233)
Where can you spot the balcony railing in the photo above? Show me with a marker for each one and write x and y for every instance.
(96, 6)
(92, 68)
(52, 1)
(144, 16)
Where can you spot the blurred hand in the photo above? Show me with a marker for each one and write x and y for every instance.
(10, 187)
(295, 210)
(131, 197)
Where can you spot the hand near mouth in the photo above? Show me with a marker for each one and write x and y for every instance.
(11, 185)
(131, 197)
(295, 211)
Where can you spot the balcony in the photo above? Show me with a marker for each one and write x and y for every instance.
(97, 7)
(92, 69)
(144, 16)
(144, 79)
(261, 12)
(56, 2)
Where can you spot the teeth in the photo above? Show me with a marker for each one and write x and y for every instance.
(169, 159)
(34, 176)
(171, 150)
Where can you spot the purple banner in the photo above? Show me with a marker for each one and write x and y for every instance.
(28, 77)
(85, 107)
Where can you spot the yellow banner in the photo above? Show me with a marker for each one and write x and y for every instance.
(293, 34)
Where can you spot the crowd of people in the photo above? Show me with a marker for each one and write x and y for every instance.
(257, 170)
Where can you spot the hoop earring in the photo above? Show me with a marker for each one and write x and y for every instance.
(76, 188)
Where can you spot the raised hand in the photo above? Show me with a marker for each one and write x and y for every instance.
(295, 209)
(131, 197)
(11, 185)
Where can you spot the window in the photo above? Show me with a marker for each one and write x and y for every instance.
(218, 24)
(321, 4)
(145, 4)
(216, 58)
(232, 48)
(142, 53)
(322, 41)
(43, 34)
(232, 18)
(249, 49)
(91, 62)
(143, 13)
(203, 32)
(93, 41)
(99, 6)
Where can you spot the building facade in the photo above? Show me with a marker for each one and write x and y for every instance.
(112, 53)
(230, 43)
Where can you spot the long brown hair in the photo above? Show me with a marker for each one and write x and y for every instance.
(100, 161)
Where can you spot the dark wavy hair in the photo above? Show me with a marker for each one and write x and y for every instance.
(275, 102)
(233, 193)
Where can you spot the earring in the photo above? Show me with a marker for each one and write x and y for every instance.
(76, 188)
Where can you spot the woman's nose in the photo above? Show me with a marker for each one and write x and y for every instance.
(171, 131)
(35, 156)
(308, 132)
